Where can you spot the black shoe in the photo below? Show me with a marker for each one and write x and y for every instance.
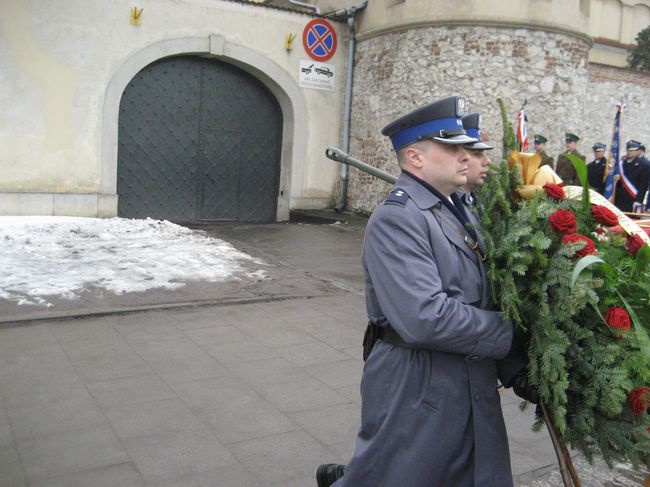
(328, 473)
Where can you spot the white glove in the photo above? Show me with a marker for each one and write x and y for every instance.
(637, 207)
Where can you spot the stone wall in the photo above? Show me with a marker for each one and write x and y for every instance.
(608, 85)
(399, 71)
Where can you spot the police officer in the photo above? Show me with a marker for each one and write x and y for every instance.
(539, 141)
(478, 163)
(431, 413)
(564, 168)
(633, 181)
(596, 168)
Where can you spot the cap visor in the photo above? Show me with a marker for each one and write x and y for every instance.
(478, 146)
(457, 139)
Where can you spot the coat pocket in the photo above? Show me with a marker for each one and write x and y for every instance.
(434, 389)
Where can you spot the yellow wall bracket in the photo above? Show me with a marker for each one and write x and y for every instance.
(288, 41)
(136, 16)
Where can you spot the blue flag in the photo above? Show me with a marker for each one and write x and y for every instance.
(612, 168)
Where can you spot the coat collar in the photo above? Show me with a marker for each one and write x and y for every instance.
(426, 200)
(421, 196)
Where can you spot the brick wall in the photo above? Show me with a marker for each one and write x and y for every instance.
(607, 86)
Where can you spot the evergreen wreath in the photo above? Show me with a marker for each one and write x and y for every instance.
(579, 286)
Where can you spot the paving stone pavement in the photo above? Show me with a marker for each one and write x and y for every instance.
(228, 394)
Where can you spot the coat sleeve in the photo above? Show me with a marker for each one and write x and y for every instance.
(644, 181)
(406, 283)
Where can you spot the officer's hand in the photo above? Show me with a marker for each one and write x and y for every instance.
(522, 387)
(637, 207)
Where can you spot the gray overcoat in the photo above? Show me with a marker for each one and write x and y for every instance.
(430, 417)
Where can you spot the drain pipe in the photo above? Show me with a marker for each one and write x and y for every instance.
(347, 13)
(306, 5)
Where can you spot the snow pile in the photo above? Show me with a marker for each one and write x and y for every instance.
(60, 256)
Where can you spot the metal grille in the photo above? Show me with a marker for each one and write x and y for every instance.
(198, 140)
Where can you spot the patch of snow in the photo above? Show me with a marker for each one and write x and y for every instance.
(60, 256)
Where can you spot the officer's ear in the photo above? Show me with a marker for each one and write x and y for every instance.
(412, 156)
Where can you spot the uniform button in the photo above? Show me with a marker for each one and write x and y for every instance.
(473, 357)
(476, 397)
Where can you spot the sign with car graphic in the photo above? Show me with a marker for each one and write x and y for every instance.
(319, 76)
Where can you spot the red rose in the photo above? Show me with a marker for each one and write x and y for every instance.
(589, 248)
(604, 215)
(639, 399)
(555, 191)
(563, 221)
(617, 318)
(634, 243)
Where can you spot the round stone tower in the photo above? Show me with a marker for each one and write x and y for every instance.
(410, 52)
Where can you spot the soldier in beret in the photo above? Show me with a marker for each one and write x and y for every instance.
(434, 348)
(564, 168)
(596, 168)
(632, 185)
(539, 141)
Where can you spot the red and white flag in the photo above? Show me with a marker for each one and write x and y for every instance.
(522, 131)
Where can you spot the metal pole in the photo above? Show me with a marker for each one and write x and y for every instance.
(345, 143)
(340, 156)
(306, 5)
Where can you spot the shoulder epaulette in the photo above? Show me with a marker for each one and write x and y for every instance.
(397, 197)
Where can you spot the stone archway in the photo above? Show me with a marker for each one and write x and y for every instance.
(278, 82)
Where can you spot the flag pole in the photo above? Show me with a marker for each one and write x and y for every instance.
(521, 126)
(614, 153)
(620, 124)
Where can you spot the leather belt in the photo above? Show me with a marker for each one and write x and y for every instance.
(389, 335)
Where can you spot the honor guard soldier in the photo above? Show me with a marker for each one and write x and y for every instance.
(596, 168)
(632, 185)
(434, 347)
(564, 168)
(539, 141)
(643, 156)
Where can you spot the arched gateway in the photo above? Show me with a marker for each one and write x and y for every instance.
(198, 140)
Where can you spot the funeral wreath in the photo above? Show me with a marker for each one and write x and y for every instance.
(562, 268)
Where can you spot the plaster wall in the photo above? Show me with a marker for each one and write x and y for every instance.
(614, 25)
(63, 64)
(381, 16)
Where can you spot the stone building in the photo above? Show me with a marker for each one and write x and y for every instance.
(566, 59)
(204, 110)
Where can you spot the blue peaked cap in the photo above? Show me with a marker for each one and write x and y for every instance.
(599, 146)
(633, 144)
(440, 121)
(471, 123)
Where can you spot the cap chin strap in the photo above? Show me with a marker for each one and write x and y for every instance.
(442, 134)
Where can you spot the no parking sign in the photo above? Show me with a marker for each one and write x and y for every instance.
(319, 39)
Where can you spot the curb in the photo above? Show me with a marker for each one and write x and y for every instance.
(13, 322)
